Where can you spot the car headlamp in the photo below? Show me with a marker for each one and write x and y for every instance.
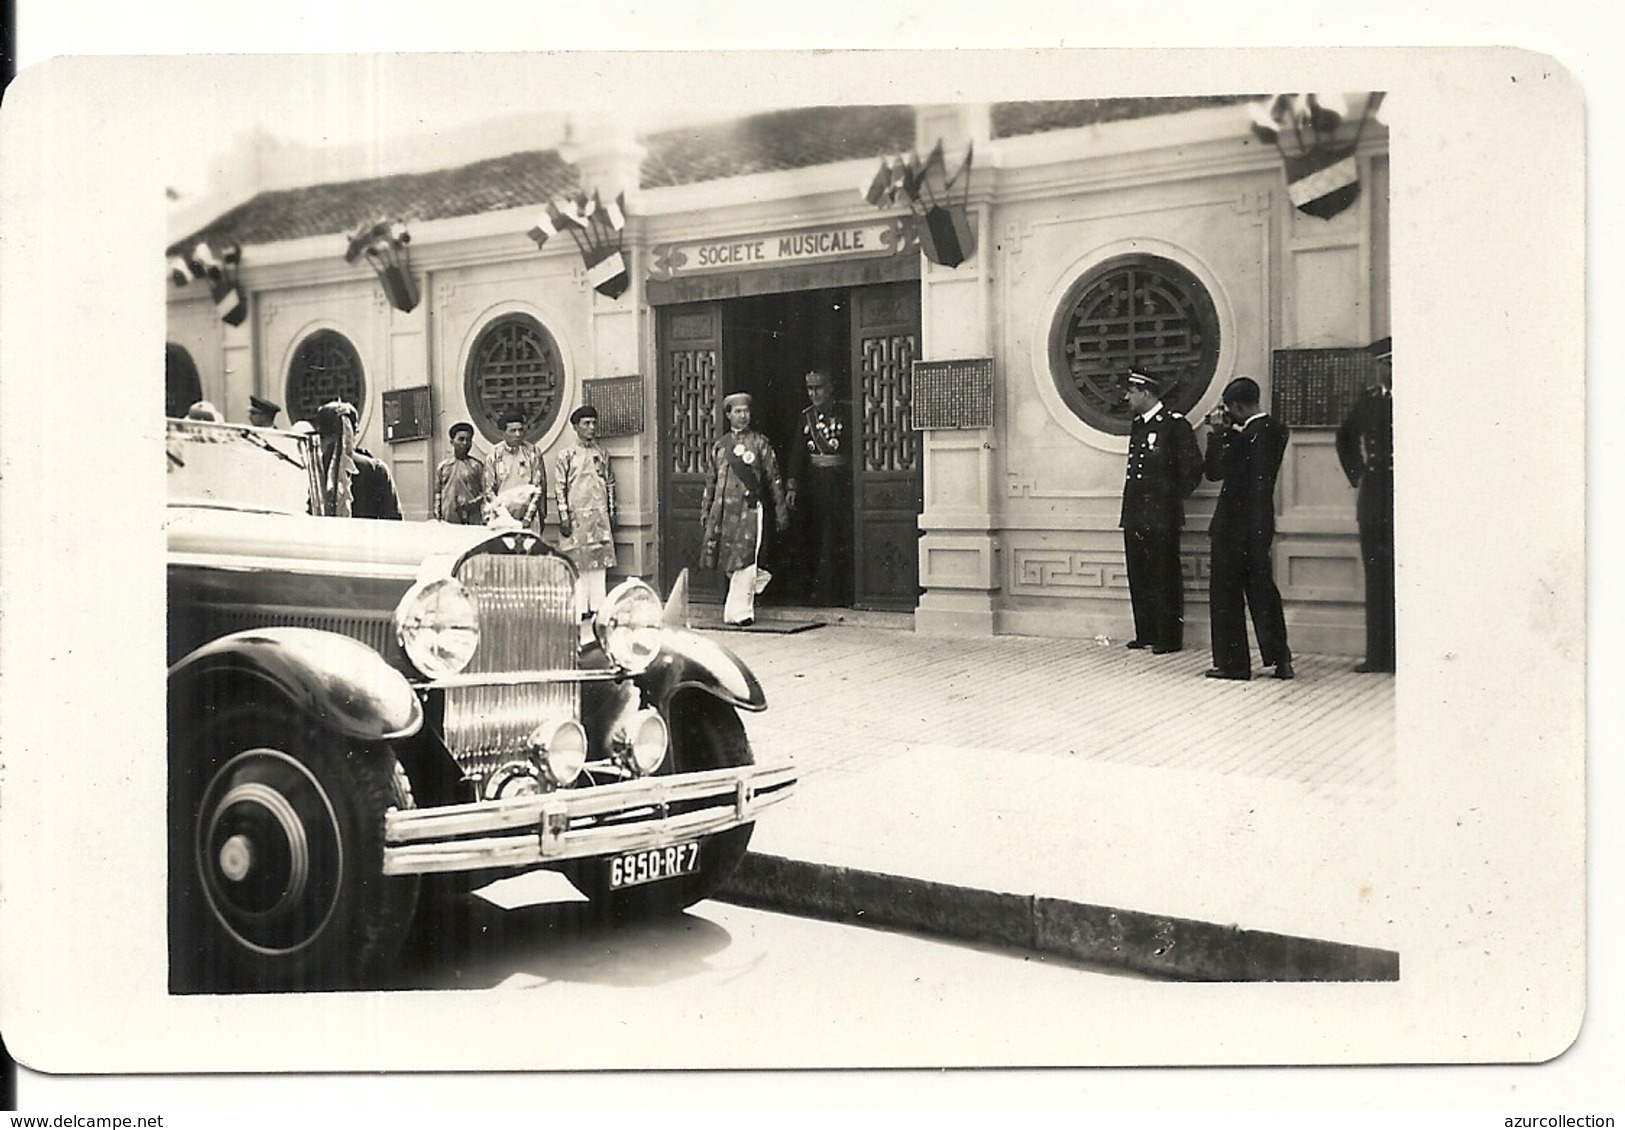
(629, 625)
(643, 741)
(561, 747)
(438, 624)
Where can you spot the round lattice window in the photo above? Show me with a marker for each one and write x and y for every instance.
(515, 363)
(1133, 312)
(325, 367)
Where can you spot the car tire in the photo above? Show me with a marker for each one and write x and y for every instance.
(276, 856)
(706, 733)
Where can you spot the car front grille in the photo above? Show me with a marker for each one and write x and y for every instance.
(527, 623)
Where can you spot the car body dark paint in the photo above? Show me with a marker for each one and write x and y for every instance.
(273, 609)
(325, 676)
(688, 659)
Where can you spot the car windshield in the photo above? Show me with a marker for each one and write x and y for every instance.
(238, 467)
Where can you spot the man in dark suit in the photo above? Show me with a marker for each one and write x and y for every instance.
(1365, 447)
(1164, 466)
(1244, 452)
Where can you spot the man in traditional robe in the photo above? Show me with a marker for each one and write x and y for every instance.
(743, 469)
(518, 474)
(459, 481)
(584, 486)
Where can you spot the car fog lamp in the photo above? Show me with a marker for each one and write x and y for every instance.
(629, 625)
(513, 779)
(438, 624)
(645, 741)
(562, 748)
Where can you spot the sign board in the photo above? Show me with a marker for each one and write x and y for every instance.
(407, 413)
(1315, 388)
(867, 240)
(953, 394)
(619, 401)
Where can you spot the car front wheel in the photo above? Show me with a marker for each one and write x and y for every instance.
(276, 854)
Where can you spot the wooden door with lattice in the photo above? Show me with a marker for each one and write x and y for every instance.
(690, 341)
(888, 476)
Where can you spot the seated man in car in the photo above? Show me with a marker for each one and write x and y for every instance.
(354, 483)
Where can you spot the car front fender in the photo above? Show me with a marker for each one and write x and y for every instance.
(337, 680)
(688, 659)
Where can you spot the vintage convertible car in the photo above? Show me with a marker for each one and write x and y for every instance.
(355, 705)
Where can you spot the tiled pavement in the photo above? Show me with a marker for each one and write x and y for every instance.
(1080, 771)
(1328, 729)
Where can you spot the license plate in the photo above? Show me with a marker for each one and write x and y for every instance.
(654, 864)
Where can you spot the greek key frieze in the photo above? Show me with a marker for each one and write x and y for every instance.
(1048, 568)
(1103, 570)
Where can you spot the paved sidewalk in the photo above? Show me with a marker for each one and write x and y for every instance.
(1077, 798)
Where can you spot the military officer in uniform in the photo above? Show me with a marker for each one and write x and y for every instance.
(262, 413)
(819, 490)
(1164, 467)
(1365, 447)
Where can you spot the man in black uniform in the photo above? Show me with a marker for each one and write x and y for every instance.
(820, 486)
(1244, 452)
(1365, 447)
(1164, 467)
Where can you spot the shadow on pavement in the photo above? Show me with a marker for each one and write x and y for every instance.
(466, 942)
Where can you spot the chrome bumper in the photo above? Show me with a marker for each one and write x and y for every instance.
(574, 823)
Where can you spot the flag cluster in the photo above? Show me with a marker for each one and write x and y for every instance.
(219, 267)
(1322, 175)
(383, 242)
(946, 234)
(598, 227)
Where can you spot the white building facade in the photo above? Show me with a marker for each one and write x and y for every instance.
(986, 494)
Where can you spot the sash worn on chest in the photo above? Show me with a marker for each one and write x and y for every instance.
(749, 473)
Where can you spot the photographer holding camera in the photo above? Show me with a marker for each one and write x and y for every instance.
(1244, 452)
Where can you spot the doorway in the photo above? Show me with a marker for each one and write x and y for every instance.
(865, 339)
(774, 340)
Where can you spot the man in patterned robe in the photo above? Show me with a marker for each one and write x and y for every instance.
(584, 485)
(517, 484)
(743, 467)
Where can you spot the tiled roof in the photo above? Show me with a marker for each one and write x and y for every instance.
(515, 181)
(1013, 119)
(785, 139)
